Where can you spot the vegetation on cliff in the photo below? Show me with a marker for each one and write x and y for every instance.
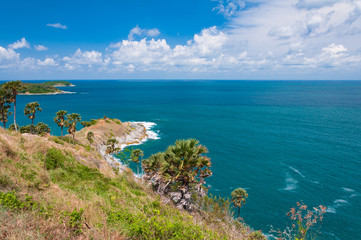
(58, 190)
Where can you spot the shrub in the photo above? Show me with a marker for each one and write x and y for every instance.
(75, 220)
(10, 200)
(54, 158)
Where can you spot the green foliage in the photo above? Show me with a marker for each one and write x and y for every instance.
(12, 127)
(57, 140)
(42, 128)
(25, 129)
(239, 196)
(38, 88)
(93, 121)
(111, 146)
(86, 123)
(56, 83)
(54, 158)
(155, 224)
(71, 122)
(12, 201)
(75, 220)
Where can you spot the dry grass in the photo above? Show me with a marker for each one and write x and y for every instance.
(114, 205)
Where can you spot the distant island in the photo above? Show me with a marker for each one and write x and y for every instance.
(45, 88)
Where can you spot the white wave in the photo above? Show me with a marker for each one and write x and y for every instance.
(296, 171)
(331, 209)
(340, 202)
(336, 204)
(149, 126)
(348, 189)
(303, 176)
(291, 183)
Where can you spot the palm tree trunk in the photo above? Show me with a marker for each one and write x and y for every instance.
(16, 128)
(239, 211)
(62, 132)
(3, 115)
(32, 125)
(73, 139)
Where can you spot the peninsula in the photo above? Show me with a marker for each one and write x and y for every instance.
(45, 88)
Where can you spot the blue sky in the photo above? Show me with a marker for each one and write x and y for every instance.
(188, 39)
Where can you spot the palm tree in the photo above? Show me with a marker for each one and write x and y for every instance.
(181, 168)
(72, 120)
(60, 120)
(90, 137)
(30, 110)
(111, 146)
(136, 157)
(4, 107)
(13, 87)
(238, 198)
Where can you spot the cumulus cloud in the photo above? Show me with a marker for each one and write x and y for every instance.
(47, 62)
(79, 58)
(8, 57)
(137, 31)
(19, 44)
(57, 25)
(264, 39)
(40, 48)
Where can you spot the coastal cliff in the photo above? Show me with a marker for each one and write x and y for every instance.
(126, 133)
(53, 189)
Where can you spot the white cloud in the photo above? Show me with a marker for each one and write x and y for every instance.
(83, 58)
(57, 25)
(8, 58)
(19, 44)
(47, 62)
(229, 7)
(40, 48)
(137, 31)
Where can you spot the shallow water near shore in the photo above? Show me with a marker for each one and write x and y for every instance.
(283, 141)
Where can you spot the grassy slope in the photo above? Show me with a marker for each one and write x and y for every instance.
(74, 194)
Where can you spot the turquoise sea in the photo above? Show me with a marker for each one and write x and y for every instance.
(283, 141)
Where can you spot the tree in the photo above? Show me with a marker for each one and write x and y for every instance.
(13, 87)
(25, 129)
(180, 171)
(12, 127)
(4, 106)
(42, 128)
(60, 120)
(72, 120)
(238, 198)
(136, 157)
(30, 110)
(86, 124)
(111, 146)
(90, 137)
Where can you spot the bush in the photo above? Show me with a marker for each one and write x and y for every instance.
(10, 200)
(25, 129)
(12, 127)
(54, 158)
(75, 220)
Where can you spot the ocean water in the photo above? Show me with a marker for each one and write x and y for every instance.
(283, 141)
